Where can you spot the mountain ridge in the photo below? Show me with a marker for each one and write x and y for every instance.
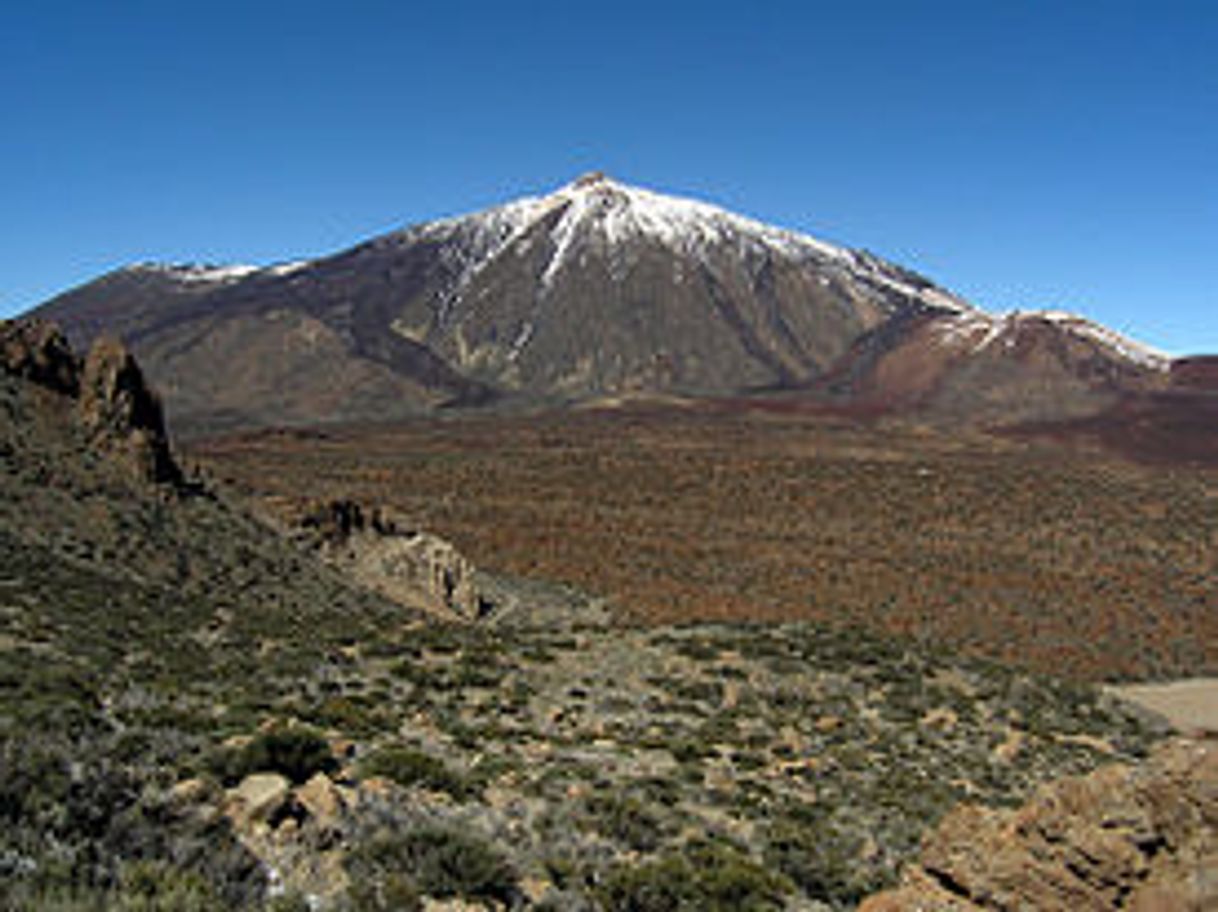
(595, 289)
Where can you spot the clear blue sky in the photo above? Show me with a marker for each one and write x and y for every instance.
(1026, 154)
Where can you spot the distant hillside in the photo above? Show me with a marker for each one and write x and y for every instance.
(596, 290)
(996, 370)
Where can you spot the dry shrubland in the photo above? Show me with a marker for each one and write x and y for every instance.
(1054, 559)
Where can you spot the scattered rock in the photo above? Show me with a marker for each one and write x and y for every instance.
(322, 800)
(188, 792)
(453, 905)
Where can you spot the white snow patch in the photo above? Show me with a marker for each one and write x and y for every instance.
(521, 340)
(198, 272)
(973, 329)
(283, 269)
(979, 330)
(207, 273)
(1127, 348)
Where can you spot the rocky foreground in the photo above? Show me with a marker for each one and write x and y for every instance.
(709, 767)
(1142, 838)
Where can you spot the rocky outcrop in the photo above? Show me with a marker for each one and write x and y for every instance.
(1140, 838)
(1196, 373)
(296, 832)
(385, 555)
(37, 351)
(122, 414)
(111, 401)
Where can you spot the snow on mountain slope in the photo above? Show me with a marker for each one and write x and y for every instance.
(595, 289)
(214, 273)
(977, 331)
(596, 211)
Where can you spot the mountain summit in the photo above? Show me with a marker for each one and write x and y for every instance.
(596, 289)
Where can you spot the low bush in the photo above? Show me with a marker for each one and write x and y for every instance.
(627, 820)
(820, 860)
(410, 767)
(707, 877)
(440, 861)
(297, 753)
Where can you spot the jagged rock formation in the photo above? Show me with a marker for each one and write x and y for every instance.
(37, 351)
(596, 290)
(89, 481)
(111, 402)
(102, 406)
(406, 565)
(1140, 838)
(116, 582)
(122, 414)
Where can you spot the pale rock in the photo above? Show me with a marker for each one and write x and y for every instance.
(257, 798)
(323, 801)
(1143, 838)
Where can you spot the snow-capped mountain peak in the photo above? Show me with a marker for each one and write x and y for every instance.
(596, 211)
(596, 288)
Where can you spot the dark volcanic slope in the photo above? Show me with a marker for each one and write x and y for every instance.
(1174, 423)
(996, 369)
(596, 290)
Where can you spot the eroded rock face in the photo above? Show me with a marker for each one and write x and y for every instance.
(122, 414)
(109, 398)
(1140, 838)
(37, 351)
(385, 555)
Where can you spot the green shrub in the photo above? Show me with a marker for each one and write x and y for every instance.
(150, 886)
(409, 767)
(708, 877)
(439, 860)
(384, 892)
(821, 861)
(297, 753)
(627, 820)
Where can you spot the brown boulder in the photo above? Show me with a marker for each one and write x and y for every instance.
(1142, 838)
(122, 415)
(37, 351)
(323, 801)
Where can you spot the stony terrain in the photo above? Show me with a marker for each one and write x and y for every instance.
(591, 760)
(578, 767)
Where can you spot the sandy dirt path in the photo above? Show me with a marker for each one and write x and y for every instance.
(1190, 705)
